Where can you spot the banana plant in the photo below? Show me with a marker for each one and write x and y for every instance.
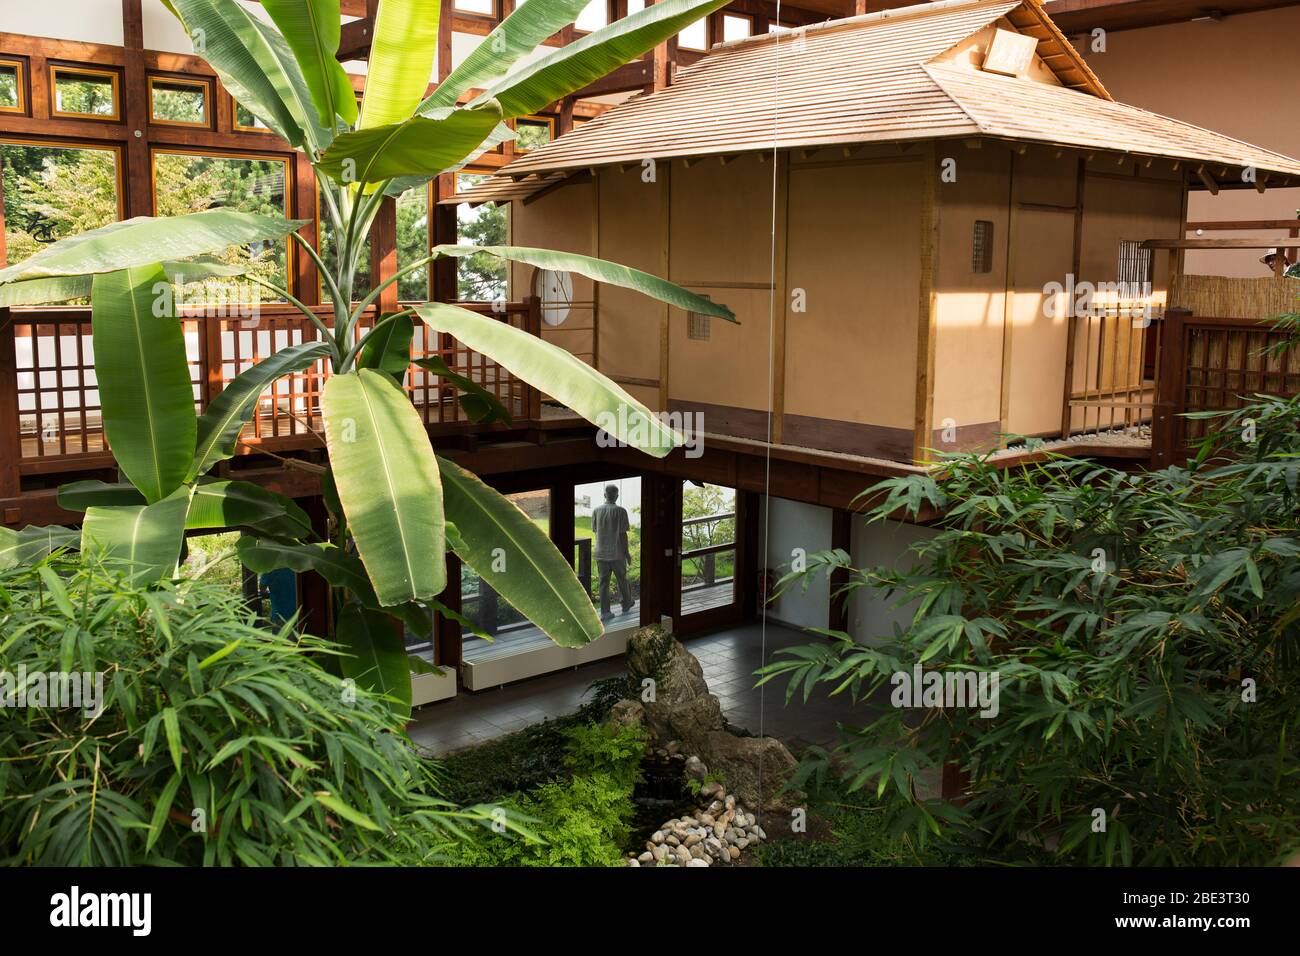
(398, 508)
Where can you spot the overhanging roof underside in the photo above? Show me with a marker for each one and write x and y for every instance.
(873, 79)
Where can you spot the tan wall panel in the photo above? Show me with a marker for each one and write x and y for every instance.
(1116, 208)
(721, 221)
(854, 247)
(731, 368)
(632, 234)
(968, 340)
(1043, 252)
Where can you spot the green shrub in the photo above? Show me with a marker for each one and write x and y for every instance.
(218, 742)
(1145, 633)
(580, 820)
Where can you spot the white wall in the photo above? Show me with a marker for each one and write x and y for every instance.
(87, 21)
(880, 544)
(790, 525)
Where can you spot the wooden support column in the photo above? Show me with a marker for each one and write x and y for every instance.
(10, 441)
(447, 634)
(781, 289)
(446, 15)
(1076, 263)
(927, 311)
(563, 533)
(383, 253)
(750, 556)
(444, 232)
(842, 540)
(314, 596)
(305, 278)
(135, 101)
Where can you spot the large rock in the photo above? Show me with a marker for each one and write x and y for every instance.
(682, 709)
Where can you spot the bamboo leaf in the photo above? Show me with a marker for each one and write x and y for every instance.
(144, 379)
(517, 559)
(387, 480)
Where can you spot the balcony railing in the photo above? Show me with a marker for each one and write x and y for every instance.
(50, 416)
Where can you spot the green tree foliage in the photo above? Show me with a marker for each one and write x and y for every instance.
(217, 742)
(1145, 630)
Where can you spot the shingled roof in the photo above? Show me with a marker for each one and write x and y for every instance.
(881, 77)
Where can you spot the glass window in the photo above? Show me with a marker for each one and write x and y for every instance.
(186, 183)
(361, 281)
(51, 192)
(79, 92)
(593, 16)
(512, 633)
(708, 565)
(635, 6)
(12, 98)
(486, 7)
(413, 243)
(607, 548)
(695, 36)
(736, 27)
(182, 102)
(532, 133)
(245, 121)
(480, 278)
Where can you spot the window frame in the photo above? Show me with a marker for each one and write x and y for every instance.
(536, 119)
(20, 71)
(205, 86)
(234, 121)
(458, 10)
(200, 152)
(116, 149)
(76, 69)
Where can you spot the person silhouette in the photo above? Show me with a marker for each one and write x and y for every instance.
(610, 524)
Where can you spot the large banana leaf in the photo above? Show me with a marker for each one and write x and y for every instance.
(146, 537)
(214, 504)
(419, 146)
(374, 656)
(65, 288)
(480, 404)
(257, 66)
(143, 377)
(500, 134)
(401, 61)
(577, 64)
(533, 577)
(558, 373)
(219, 426)
(31, 544)
(514, 37)
(312, 29)
(611, 273)
(139, 241)
(388, 348)
(387, 480)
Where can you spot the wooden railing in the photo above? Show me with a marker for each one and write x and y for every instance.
(1214, 364)
(50, 420)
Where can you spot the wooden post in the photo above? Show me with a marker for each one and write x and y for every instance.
(1166, 427)
(10, 440)
(562, 523)
(447, 633)
(135, 100)
(533, 326)
(383, 253)
(444, 232)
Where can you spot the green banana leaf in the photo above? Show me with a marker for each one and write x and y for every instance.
(419, 146)
(257, 66)
(480, 404)
(586, 60)
(138, 241)
(402, 51)
(216, 503)
(566, 378)
(501, 133)
(143, 378)
(145, 537)
(374, 656)
(387, 480)
(31, 544)
(600, 270)
(312, 29)
(388, 349)
(220, 424)
(534, 577)
(65, 288)
(513, 38)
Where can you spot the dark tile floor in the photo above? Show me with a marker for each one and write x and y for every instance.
(729, 659)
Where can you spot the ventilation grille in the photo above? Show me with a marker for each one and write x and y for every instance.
(981, 250)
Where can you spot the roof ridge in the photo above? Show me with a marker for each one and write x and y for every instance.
(912, 11)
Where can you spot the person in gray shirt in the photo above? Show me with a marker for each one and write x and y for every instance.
(610, 524)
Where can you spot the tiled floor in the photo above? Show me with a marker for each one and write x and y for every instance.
(729, 659)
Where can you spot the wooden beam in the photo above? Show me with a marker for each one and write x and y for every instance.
(1208, 180)
(135, 98)
(1230, 242)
